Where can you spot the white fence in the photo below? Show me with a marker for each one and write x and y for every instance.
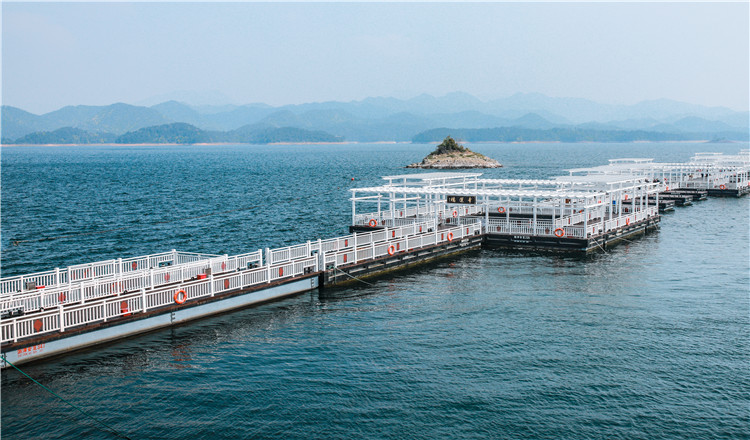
(401, 217)
(93, 288)
(100, 269)
(107, 297)
(567, 226)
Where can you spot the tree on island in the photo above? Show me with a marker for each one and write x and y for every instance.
(449, 145)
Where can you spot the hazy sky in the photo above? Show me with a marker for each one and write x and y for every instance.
(56, 54)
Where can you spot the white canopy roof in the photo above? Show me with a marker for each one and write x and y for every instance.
(509, 192)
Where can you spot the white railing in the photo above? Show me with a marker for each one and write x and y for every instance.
(100, 269)
(526, 227)
(92, 288)
(570, 220)
(400, 243)
(573, 229)
(402, 217)
(115, 296)
(626, 220)
(66, 316)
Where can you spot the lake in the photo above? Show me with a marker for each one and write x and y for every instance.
(648, 340)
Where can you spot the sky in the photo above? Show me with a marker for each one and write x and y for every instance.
(57, 54)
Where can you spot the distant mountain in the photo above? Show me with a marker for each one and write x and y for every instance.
(193, 97)
(391, 119)
(69, 116)
(116, 118)
(177, 111)
(17, 122)
(519, 134)
(695, 124)
(178, 133)
(270, 135)
(66, 135)
(578, 110)
(120, 118)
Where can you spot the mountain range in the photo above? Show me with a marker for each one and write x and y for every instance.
(383, 119)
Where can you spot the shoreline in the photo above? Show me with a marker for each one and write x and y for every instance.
(202, 144)
(221, 144)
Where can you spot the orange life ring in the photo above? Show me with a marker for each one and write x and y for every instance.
(455, 213)
(722, 187)
(180, 297)
(627, 221)
(559, 232)
(373, 223)
(450, 236)
(124, 310)
(61, 297)
(391, 250)
(38, 325)
(501, 210)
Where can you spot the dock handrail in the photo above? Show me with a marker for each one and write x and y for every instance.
(99, 269)
(106, 298)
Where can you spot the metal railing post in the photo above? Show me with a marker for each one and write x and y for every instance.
(143, 299)
(62, 318)
(354, 245)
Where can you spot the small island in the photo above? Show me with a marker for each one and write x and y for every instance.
(451, 155)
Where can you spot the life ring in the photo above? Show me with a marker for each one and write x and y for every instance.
(61, 297)
(501, 210)
(627, 222)
(391, 250)
(124, 310)
(559, 232)
(722, 187)
(373, 223)
(450, 236)
(180, 297)
(455, 213)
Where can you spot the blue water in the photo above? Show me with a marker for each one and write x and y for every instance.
(649, 340)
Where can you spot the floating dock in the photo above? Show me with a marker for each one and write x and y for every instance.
(409, 219)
